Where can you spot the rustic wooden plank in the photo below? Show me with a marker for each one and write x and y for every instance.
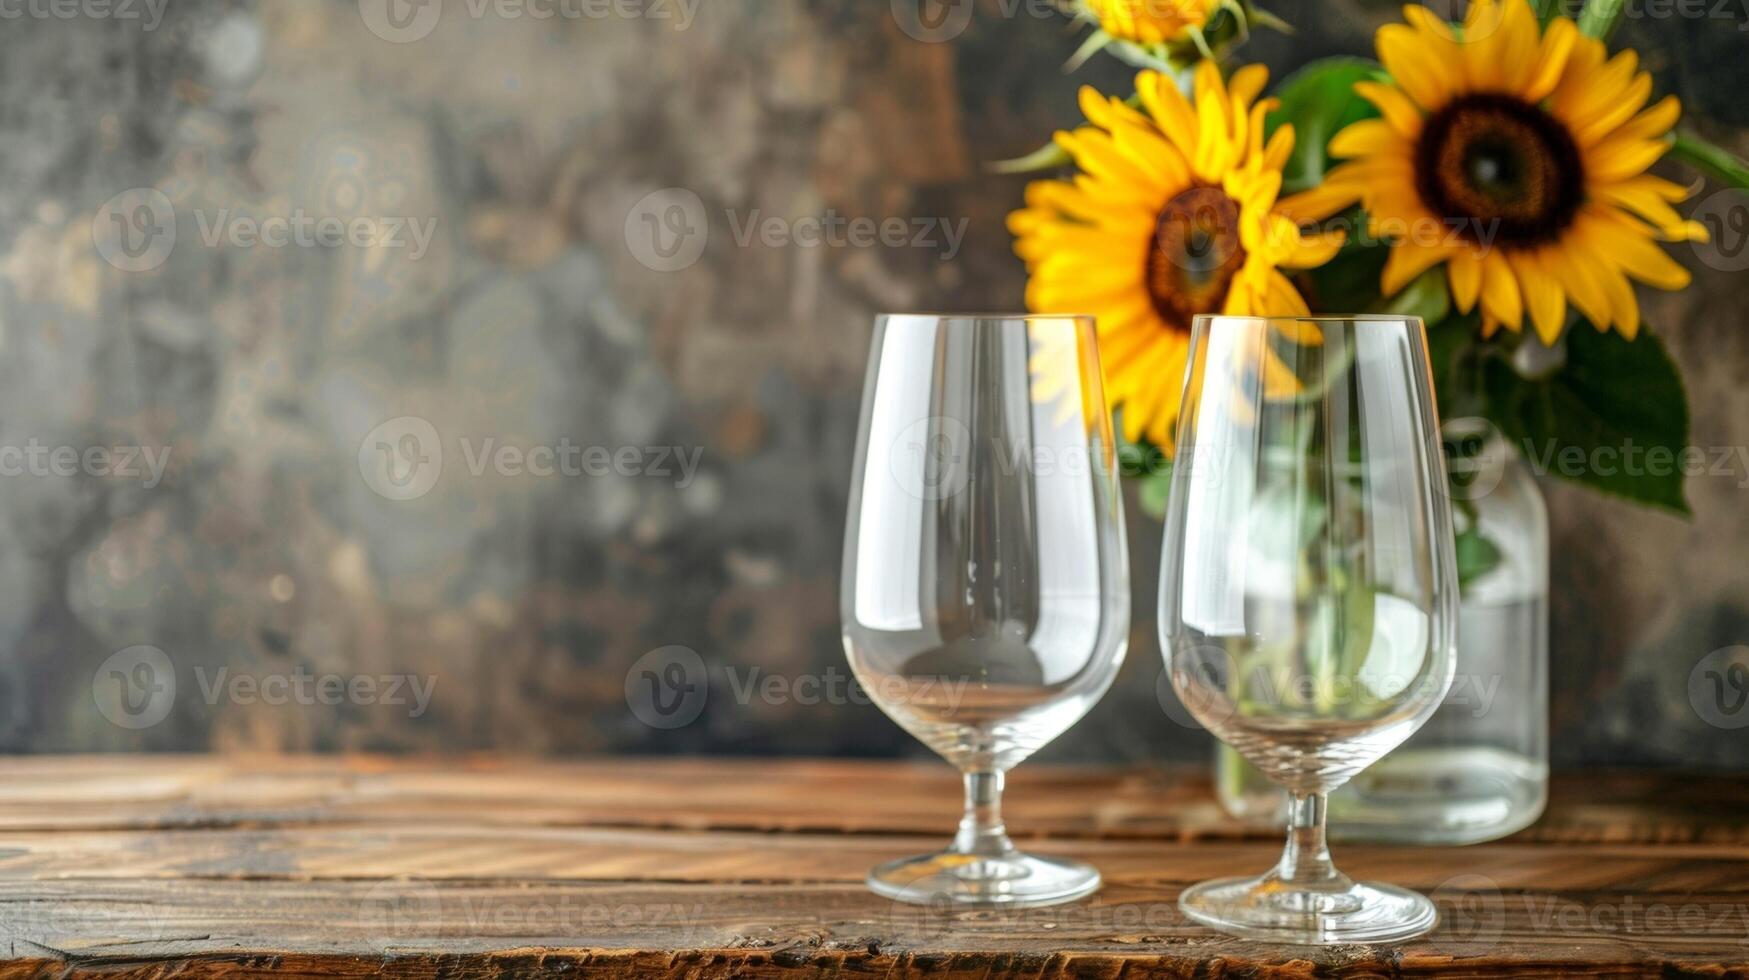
(486, 867)
(52, 793)
(148, 928)
(464, 852)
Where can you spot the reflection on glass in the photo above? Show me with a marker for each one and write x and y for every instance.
(985, 593)
(1308, 593)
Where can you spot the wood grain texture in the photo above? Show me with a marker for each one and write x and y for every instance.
(213, 866)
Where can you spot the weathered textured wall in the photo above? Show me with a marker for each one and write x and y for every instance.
(292, 535)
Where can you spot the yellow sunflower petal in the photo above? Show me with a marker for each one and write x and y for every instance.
(1645, 199)
(1247, 82)
(1628, 246)
(1618, 160)
(1322, 201)
(1465, 272)
(1500, 297)
(1654, 122)
(1403, 115)
(1542, 296)
(1429, 81)
(1366, 137)
(1574, 268)
(1408, 260)
(1557, 46)
(1614, 115)
(1173, 114)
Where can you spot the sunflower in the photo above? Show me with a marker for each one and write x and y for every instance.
(1151, 21)
(1173, 214)
(1517, 156)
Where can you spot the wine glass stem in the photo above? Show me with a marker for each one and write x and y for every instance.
(981, 831)
(1306, 859)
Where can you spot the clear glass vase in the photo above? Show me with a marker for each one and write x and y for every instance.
(1479, 768)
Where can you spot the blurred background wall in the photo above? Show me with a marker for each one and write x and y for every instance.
(322, 450)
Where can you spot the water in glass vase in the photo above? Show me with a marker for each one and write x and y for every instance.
(1478, 769)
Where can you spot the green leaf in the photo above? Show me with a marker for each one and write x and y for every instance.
(1719, 164)
(1350, 281)
(1426, 296)
(1153, 490)
(1476, 557)
(1599, 18)
(1614, 418)
(1319, 100)
(1453, 348)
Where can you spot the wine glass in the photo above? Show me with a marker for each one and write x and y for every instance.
(1308, 589)
(985, 595)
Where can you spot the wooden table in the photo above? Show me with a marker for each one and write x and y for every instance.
(193, 866)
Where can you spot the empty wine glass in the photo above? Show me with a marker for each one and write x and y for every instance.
(1308, 591)
(985, 596)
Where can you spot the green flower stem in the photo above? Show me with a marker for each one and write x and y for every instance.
(1599, 18)
(1717, 163)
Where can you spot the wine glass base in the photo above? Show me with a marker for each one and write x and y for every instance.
(1268, 909)
(1013, 881)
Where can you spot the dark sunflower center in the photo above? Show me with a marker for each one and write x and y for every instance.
(1504, 170)
(1194, 255)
